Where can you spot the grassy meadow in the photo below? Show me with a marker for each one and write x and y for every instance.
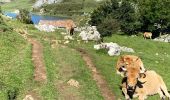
(17, 4)
(155, 56)
(62, 64)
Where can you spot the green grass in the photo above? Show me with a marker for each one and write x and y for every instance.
(145, 49)
(62, 64)
(17, 4)
(15, 63)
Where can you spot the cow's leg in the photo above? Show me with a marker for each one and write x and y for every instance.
(164, 89)
(142, 97)
(124, 90)
(161, 94)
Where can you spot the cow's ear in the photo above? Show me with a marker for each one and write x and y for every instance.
(137, 59)
(121, 58)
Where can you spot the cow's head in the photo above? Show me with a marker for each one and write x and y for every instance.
(124, 62)
(133, 73)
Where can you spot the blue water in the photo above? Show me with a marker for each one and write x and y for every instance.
(36, 18)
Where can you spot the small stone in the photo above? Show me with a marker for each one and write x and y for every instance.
(156, 54)
(73, 82)
(28, 97)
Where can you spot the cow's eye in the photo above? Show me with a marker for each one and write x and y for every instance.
(123, 66)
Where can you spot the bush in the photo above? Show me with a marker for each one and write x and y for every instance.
(63, 8)
(24, 16)
(108, 26)
(0, 10)
(3, 26)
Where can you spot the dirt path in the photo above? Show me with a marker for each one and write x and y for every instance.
(101, 83)
(37, 57)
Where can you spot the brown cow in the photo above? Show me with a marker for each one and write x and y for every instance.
(147, 35)
(125, 60)
(141, 85)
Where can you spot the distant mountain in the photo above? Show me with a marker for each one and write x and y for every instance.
(39, 3)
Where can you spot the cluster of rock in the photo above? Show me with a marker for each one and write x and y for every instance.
(39, 3)
(113, 48)
(163, 38)
(46, 28)
(89, 33)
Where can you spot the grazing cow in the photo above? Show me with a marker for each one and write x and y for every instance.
(125, 60)
(147, 35)
(69, 29)
(141, 85)
(69, 25)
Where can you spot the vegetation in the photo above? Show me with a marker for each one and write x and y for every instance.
(0, 10)
(3, 26)
(147, 50)
(18, 4)
(17, 69)
(24, 16)
(71, 7)
(133, 16)
(64, 63)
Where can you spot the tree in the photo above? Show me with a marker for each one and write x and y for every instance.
(104, 17)
(0, 10)
(154, 14)
(24, 16)
(128, 17)
(108, 26)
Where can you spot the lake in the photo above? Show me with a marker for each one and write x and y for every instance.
(36, 18)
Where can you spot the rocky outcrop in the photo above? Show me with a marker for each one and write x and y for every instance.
(90, 33)
(113, 48)
(163, 38)
(39, 3)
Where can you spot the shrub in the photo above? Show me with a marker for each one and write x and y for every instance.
(108, 26)
(24, 16)
(3, 26)
(0, 10)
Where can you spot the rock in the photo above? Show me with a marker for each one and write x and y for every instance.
(156, 54)
(114, 52)
(90, 33)
(63, 33)
(126, 49)
(163, 38)
(74, 83)
(46, 28)
(39, 3)
(28, 97)
(68, 37)
(113, 48)
(66, 42)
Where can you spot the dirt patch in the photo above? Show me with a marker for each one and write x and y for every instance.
(101, 83)
(37, 57)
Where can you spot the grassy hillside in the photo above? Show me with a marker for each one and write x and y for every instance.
(15, 64)
(155, 56)
(71, 7)
(147, 50)
(17, 4)
(62, 64)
